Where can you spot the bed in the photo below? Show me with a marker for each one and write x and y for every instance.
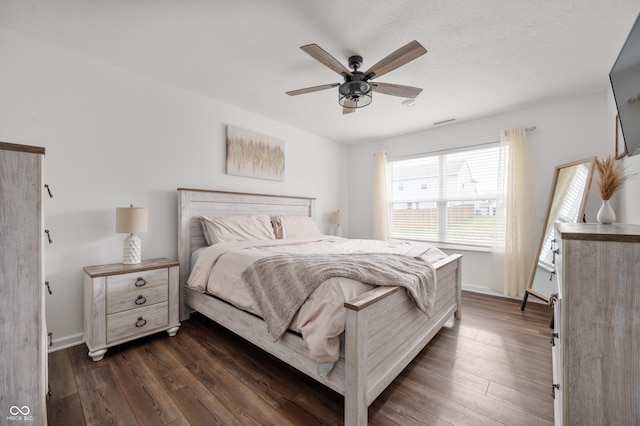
(384, 330)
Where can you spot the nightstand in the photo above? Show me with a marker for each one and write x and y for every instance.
(126, 302)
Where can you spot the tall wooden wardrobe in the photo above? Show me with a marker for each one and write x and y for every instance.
(23, 349)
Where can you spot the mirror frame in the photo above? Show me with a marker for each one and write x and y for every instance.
(552, 192)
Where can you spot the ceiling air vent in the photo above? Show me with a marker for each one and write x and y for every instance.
(448, 120)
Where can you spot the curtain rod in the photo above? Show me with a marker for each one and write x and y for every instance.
(526, 129)
(413, 154)
(471, 145)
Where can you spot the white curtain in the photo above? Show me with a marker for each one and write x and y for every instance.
(514, 238)
(380, 208)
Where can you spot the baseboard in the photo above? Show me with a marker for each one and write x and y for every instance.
(65, 342)
(484, 290)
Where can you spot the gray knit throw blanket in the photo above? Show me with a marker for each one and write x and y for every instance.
(280, 284)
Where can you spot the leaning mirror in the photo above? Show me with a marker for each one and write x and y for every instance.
(567, 201)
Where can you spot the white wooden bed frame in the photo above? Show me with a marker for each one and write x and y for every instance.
(384, 329)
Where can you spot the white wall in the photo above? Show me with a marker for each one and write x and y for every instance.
(630, 194)
(567, 130)
(113, 138)
(627, 201)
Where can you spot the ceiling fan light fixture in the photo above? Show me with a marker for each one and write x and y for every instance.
(356, 91)
(355, 94)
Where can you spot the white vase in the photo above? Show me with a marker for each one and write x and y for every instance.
(606, 215)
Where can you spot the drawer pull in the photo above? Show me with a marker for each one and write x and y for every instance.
(46, 231)
(48, 190)
(141, 300)
(554, 336)
(140, 282)
(141, 322)
(46, 283)
(553, 390)
(551, 275)
(553, 298)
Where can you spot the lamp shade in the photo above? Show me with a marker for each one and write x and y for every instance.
(131, 220)
(337, 217)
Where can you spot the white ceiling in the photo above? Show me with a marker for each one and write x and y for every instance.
(484, 56)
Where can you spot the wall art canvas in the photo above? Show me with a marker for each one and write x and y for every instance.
(254, 155)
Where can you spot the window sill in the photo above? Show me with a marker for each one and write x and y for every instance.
(449, 246)
(463, 247)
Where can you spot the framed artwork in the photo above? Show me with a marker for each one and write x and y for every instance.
(621, 148)
(254, 155)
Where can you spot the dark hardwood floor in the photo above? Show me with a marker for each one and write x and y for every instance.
(492, 367)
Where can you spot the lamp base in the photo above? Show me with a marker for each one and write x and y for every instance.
(132, 250)
(338, 231)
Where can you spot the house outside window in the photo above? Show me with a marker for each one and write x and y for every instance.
(452, 194)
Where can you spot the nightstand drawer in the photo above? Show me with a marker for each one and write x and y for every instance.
(123, 301)
(137, 321)
(137, 280)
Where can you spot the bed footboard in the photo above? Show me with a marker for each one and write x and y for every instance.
(385, 331)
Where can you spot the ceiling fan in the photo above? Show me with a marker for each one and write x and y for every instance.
(356, 90)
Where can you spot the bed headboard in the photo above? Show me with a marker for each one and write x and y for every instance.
(194, 203)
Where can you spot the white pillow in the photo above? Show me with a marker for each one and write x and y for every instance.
(226, 229)
(295, 226)
(205, 232)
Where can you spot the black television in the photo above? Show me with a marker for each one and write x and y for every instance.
(625, 82)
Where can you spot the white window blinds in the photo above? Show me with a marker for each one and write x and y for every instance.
(449, 197)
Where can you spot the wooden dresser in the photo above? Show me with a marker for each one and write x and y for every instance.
(126, 302)
(23, 349)
(596, 341)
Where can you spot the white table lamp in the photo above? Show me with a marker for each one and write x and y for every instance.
(131, 220)
(337, 218)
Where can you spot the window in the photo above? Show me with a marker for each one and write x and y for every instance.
(449, 197)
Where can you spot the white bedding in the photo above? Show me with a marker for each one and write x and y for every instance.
(321, 318)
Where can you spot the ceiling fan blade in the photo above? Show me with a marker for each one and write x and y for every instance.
(311, 89)
(321, 55)
(349, 107)
(396, 90)
(400, 57)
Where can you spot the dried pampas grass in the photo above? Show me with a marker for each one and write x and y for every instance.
(611, 177)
